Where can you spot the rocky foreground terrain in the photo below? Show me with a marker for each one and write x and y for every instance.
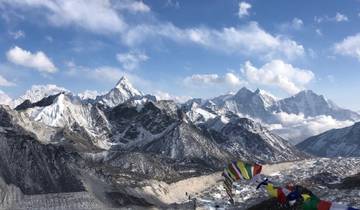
(324, 177)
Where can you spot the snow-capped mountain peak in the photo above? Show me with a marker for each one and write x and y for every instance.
(267, 98)
(310, 97)
(311, 104)
(243, 93)
(122, 92)
(38, 92)
(124, 85)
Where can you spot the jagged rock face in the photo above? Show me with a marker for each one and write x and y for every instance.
(32, 166)
(47, 101)
(250, 141)
(311, 104)
(160, 128)
(344, 142)
(81, 122)
(186, 143)
(131, 126)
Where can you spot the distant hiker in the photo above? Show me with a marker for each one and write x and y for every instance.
(189, 197)
(186, 193)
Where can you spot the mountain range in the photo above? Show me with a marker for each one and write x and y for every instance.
(126, 119)
(60, 142)
(294, 118)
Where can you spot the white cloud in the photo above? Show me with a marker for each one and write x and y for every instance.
(312, 53)
(229, 79)
(341, 17)
(89, 94)
(49, 39)
(244, 8)
(5, 99)
(248, 40)
(94, 15)
(132, 59)
(105, 16)
(350, 46)
(280, 74)
(133, 6)
(160, 95)
(105, 73)
(38, 60)
(337, 18)
(139, 6)
(318, 19)
(297, 23)
(297, 127)
(172, 3)
(331, 78)
(318, 32)
(5, 82)
(17, 34)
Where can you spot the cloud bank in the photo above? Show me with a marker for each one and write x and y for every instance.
(350, 46)
(280, 74)
(6, 83)
(229, 79)
(297, 127)
(38, 61)
(131, 60)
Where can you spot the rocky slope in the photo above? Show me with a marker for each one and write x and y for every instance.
(33, 167)
(344, 142)
(324, 177)
(249, 140)
(161, 128)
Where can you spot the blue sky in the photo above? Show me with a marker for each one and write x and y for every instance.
(183, 48)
